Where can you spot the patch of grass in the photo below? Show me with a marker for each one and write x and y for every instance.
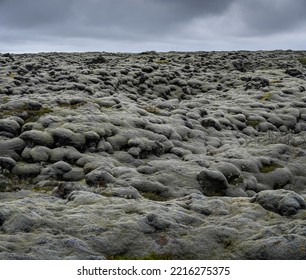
(11, 75)
(215, 193)
(133, 210)
(236, 181)
(45, 189)
(266, 168)
(266, 96)
(152, 109)
(32, 115)
(253, 123)
(302, 60)
(162, 61)
(107, 194)
(17, 183)
(5, 99)
(276, 82)
(153, 196)
(151, 256)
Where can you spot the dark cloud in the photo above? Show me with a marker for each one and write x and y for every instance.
(268, 17)
(144, 21)
(132, 13)
(113, 19)
(32, 13)
(193, 8)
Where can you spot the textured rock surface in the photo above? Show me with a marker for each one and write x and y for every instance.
(175, 155)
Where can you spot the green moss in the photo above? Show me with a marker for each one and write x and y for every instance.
(266, 96)
(302, 60)
(215, 193)
(266, 168)
(32, 115)
(8, 175)
(153, 196)
(5, 99)
(253, 123)
(45, 189)
(162, 61)
(276, 82)
(236, 181)
(17, 183)
(151, 256)
(11, 75)
(133, 210)
(152, 109)
(107, 194)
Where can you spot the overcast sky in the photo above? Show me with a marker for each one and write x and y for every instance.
(142, 25)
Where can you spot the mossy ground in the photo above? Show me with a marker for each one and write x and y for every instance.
(266, 168)
(11, 75)
(162, 61)
(153, 196)
(236, 181)
(152, 110)
(32, 115)
(71, 106)
(151, 256)
(276, 81)
(16, 183)
(266, 96)
(45, 189)
(253, 123)
(2, 188)
(302, 60)
(5, 99)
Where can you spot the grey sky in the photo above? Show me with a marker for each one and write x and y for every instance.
(162, 25)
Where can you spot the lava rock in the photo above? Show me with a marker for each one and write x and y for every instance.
(283, 202)
(9, 126)
(7, 163)
(26, 170)
(66, 137)
(36, 137)
(12, 148)
(293, 72)
(212, 182)
(99, 177)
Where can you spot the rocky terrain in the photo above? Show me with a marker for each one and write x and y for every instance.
(153, 155)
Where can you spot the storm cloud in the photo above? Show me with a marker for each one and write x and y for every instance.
(137, 25)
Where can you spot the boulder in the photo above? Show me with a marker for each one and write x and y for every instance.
(9, 126)
(12, 148)
(75, 174)
(66, 137)
(37, 137)
(99, 177)
(293, 72)
(7, 163)
(211, 122)
(283, 202)
(26, 170)
(212, 183)
(68, 154)
(61, 167)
